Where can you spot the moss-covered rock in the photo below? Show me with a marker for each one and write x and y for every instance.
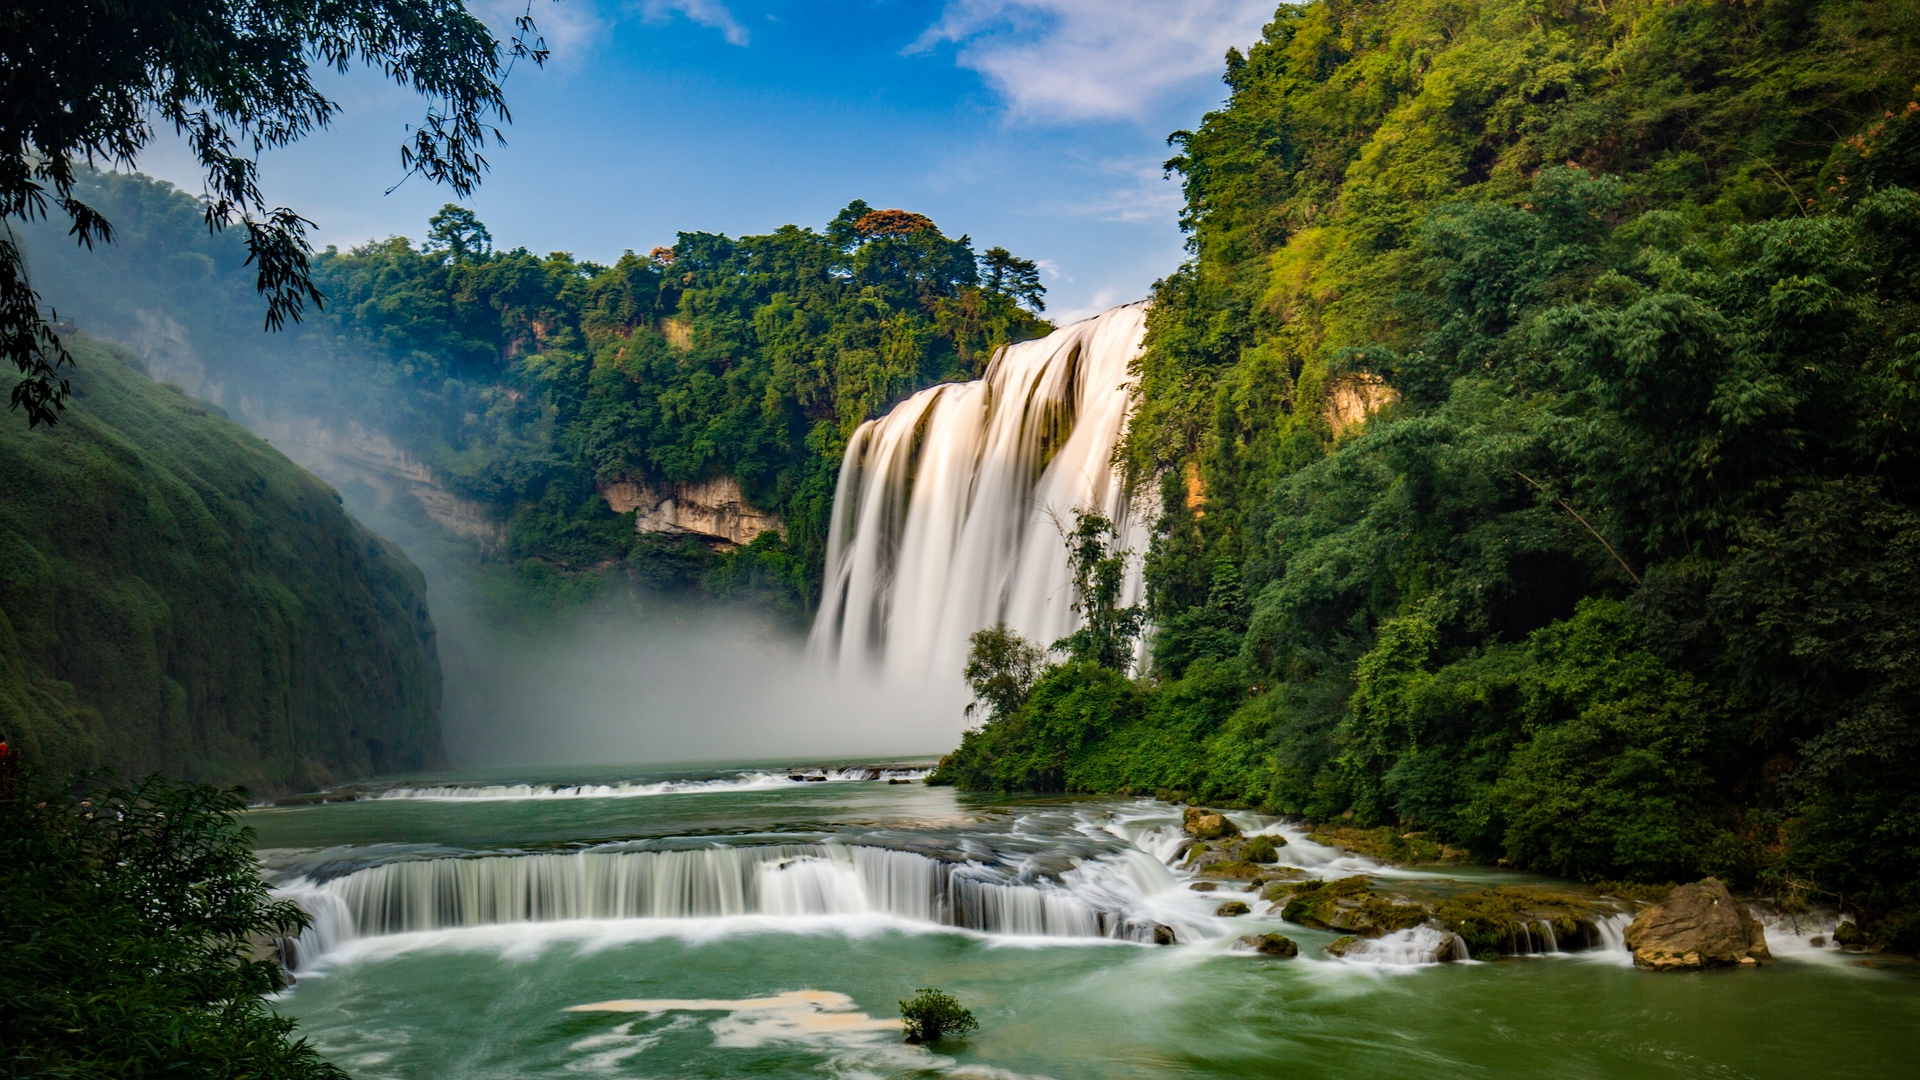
(1341, 946)
(1388, 845)
(1278, 946)
(1848, 935)
(1261, 849)
(1349, 904)
(1203, 824)
(1510, 920)
(1232, 907)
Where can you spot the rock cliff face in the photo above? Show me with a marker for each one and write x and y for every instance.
(177, 596)
(711, 508)
(1698, 926)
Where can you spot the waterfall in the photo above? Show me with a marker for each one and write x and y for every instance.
(788, 880)
(949, 509)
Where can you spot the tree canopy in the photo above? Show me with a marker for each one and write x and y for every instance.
(86, 81)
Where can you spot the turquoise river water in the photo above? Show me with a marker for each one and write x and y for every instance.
(730, 922)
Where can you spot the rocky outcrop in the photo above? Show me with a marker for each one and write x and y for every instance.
(1353, 399)
(1350, 905)
(1515, 921)
(714, 509)
(1699, 926)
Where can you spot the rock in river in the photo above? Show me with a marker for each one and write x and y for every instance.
(1699, 926)
(1203, 824)
(1275, 945)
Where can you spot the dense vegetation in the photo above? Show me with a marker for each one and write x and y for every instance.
(525, 382)
(128, 918)
(175, 595)
(1623, 581)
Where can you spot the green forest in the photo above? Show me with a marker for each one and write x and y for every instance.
(527, 381)
(176, 596)
(1622, 580)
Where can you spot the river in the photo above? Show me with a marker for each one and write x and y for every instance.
(720, 922)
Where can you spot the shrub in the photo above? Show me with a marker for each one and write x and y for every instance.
(931, 1015)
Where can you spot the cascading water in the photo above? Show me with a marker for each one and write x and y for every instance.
(787, 880)
(949, 509)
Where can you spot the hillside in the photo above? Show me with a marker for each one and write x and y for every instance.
(1536, 431)
(175, 595)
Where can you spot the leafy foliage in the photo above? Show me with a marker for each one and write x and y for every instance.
(86, 78)
(127, 917)
(931, 1015)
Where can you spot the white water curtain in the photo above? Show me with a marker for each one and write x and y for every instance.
(949, 512)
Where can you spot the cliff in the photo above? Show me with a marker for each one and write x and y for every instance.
(177, 596)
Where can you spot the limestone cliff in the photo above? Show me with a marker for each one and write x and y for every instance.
(711, 508)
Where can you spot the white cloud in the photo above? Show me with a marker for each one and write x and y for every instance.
(711, 13)
(570, 27)
(1052, 270)
(1065, 60)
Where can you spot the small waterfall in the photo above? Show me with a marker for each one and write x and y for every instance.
(944, 520)
(1092, 900)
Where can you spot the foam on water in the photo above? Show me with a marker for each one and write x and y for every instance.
(749, 781)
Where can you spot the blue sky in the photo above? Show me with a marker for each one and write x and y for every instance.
(1036, 124)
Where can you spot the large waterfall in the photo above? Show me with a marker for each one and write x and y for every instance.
(950, 509)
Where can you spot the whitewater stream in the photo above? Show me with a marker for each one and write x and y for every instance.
(767, 921)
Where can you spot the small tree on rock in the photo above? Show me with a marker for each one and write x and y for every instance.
(1108, 630)
(931, 1015)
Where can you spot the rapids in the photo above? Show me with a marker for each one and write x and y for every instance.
(732, 926)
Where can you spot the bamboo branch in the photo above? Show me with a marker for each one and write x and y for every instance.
(1564, 505)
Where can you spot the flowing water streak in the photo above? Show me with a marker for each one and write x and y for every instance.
(949, 509)
(783, 880)
(753, 781)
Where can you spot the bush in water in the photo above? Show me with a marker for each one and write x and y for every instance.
(126, 920)
(931, 1015)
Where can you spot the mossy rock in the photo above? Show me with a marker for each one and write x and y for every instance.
(1511, 920)
(1341, 946)
(1848, 935)
(1203, 886)
(1350, 904)
(1204, 824)
(1278, 946)
(1388, 845)
(1233, 907)
(1261, 849)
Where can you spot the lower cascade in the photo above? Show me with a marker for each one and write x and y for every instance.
(949, 509)
(1097, 899)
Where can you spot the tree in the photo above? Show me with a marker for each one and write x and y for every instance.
(1008, 274)
(931, 1015)
(1001, 668)
(126, 917)
(456, 231)
(84, 78)
(1108, 630)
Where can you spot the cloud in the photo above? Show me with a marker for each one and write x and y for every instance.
(570, 29)
(1067, 60)
(711, 13)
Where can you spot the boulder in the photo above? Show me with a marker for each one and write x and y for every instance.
(1232, 907)
(1274, 945)
(1203, 824)
(1163, 934)
(1203, 886)
(1699, 926)
(1340, 946)
(1847, 935)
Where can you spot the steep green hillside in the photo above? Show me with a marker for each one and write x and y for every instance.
(177, 596)
(1537, 429)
